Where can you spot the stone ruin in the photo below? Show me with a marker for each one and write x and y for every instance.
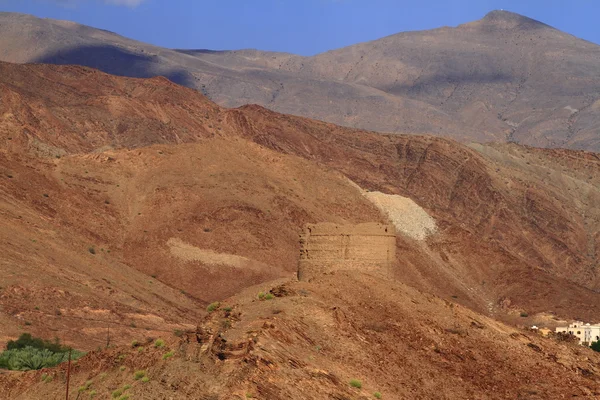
(327, 247)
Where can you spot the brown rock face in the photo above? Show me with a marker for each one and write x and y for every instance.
(327, 247)
(159, 182)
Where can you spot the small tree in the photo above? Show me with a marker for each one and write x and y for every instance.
(596, 346)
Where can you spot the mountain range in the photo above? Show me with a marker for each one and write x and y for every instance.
(158, 231)
(504, 78)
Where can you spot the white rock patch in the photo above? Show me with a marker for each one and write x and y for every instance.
(407, 216)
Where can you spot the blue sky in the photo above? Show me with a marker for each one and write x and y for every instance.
(298, 26)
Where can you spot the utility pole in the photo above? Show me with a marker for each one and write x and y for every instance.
(68, 374)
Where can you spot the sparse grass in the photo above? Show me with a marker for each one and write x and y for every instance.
(134, 343)
(178, 332)
(124, 397)
(355, 383)
(93, 394)
(377, 395)
(159, 343)
(127, 387)
(213, 306)
(117, 393)
(140, 349)
(145, 379)
(168, 355)
(228, 308)
(122, 368)
(139, 375)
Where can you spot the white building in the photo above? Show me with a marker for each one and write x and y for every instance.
(586, 333)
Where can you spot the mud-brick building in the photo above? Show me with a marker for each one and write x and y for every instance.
(327, 247)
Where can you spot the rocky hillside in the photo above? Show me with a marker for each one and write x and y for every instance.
(504, 78)
(132, 203)
(343, 336)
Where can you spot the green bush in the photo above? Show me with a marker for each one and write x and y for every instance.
(159, 343)
(377, 395)
(145, 379)
(213, 306)
(117, 393)
(26, 340)
(30, 358)
(269, 296)
(355, 383)
(139, 375)
(596, 346)
(168, 355)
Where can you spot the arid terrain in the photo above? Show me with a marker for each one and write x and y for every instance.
(127, 205)
(504, 78)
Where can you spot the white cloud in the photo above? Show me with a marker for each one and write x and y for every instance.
(128, 3)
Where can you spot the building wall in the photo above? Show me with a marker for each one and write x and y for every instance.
(586, 333)
(328, 247)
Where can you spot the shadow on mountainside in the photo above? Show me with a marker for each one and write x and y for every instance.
(118, 61)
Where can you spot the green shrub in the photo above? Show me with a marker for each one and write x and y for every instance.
(178, 332)
(117, 393)
(269, 296)
(596, 346)
(139, 375)
(159, 343)
(261, 295)
(122, 368)
(30, 358)
(168, 355)
(26, 340)
(213, 306)
(228, 308)
(145, 379)
(93, 394)
(127, 387)
(355, 383)
(377, 395)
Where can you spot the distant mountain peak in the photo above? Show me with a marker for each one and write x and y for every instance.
(510, 20)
